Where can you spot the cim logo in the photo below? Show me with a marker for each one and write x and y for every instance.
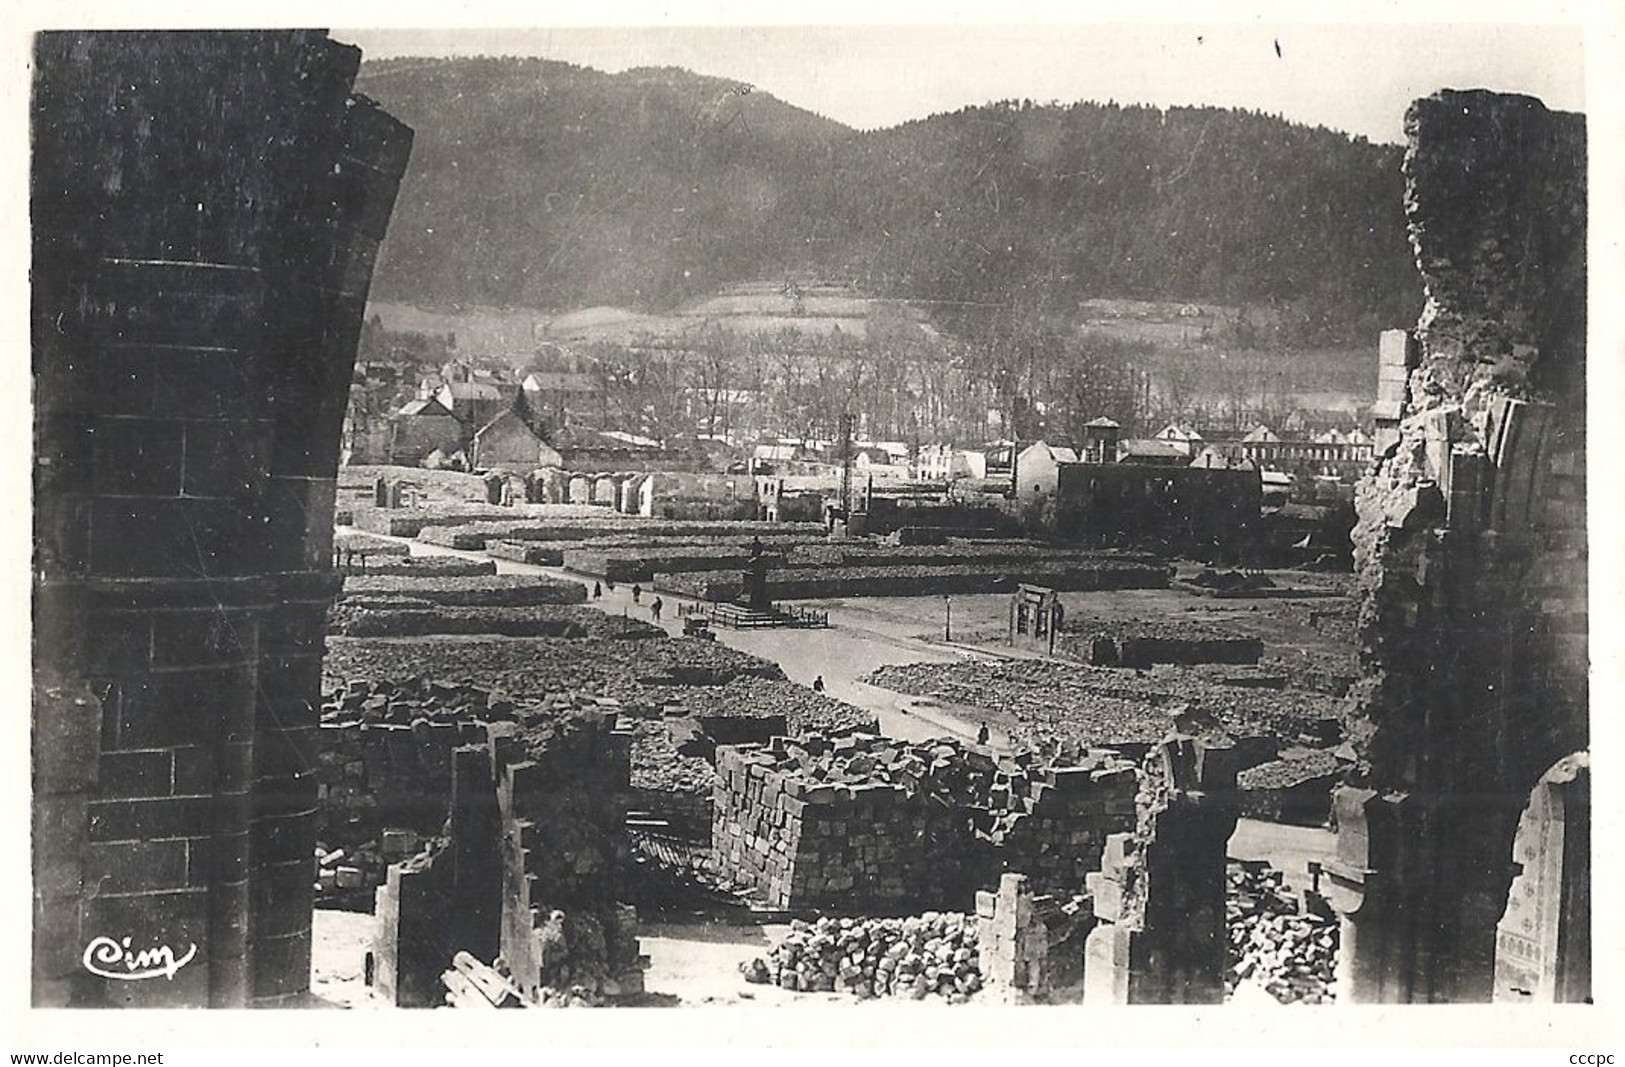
(108, 958)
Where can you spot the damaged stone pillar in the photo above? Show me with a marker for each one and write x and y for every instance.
(561, 789)
(1470, 553)
(414, 911)
(1159, 894)
(1013, 942)
(476, 829)
(200, 267)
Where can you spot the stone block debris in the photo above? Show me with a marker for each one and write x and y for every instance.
(1275, 941)
(920, 956)
(1052, 703)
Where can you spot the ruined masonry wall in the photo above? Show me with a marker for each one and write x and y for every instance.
(876, 844)
(561, 794)
(376, 776)
(1470, 552)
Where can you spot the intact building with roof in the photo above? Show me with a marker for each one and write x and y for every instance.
(421, 427)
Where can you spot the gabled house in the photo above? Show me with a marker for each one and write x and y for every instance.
(1038, 469)
(943, 463)
(421, 427)
(556, 396)
(473, 403)
(507, 442)
(875, 462)
(1182, 436)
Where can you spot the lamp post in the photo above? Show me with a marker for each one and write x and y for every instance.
(948, 618)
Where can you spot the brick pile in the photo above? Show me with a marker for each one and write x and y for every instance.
(914, 957)
(922, 579)
(407, 617)
(828, 818)
(1143, 642)
(539, 553)
(1275, 942)
(348, 547)
(1065, 703)
(496, 589)
(414, 567)
(540, 523)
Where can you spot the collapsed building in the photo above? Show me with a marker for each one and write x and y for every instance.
(529, 871)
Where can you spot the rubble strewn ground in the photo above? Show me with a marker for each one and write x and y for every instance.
(676, 694)
(1045, 702)
(688, 677)
(1275, 941)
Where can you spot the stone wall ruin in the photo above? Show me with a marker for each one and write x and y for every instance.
(530, 868)
(816, 821)
(1470, 553)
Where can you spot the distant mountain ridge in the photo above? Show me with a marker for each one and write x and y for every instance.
(545, 185)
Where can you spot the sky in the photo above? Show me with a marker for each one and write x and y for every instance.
(1356, 78)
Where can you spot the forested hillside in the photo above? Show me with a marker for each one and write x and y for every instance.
(540, 184)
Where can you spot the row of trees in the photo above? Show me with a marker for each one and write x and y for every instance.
(897, 385)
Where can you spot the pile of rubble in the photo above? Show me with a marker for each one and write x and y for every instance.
(658, 765)
(1002, 787)
(1276, 943)
(914, 957)
(406, 700)
(344, 874)
(757, 697)
(403, 701)
(1232, 581)
(1053, 702)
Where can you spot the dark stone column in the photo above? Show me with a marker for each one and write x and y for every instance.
(187, 215)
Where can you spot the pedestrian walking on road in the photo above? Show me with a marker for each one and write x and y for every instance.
(818, 684)
(597, 590)
(637, 591)
(982, 735)
(654, 608)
